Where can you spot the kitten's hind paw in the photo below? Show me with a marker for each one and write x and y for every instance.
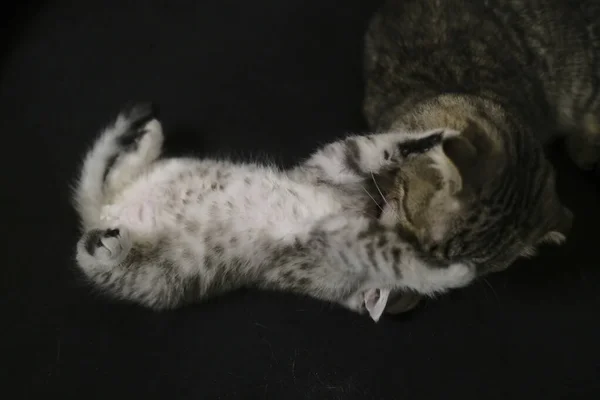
(139, 141)
(138, 116)
(105, 246)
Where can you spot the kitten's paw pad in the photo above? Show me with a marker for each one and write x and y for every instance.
(140, 113)
(107, 245)
(141, 119)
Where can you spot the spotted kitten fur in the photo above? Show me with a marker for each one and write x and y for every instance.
(167, 232)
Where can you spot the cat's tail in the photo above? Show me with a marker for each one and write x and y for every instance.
(115, 157)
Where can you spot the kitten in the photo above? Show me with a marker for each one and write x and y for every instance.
(511, 76)
(167, 232)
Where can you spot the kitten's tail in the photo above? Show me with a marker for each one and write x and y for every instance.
(91, 191)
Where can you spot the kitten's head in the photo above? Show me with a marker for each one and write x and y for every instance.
(481, 196)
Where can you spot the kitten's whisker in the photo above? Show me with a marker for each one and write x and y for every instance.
(383, 197)
(374, 201)
(492, 288)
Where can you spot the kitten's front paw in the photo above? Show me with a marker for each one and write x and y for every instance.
(459, 275)
(107, 246)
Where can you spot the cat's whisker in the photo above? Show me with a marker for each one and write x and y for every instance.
(492, 289)
(372, 198)
(383, 197)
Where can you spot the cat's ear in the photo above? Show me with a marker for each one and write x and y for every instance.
(460, 150)
(472, 152)
(375, 302)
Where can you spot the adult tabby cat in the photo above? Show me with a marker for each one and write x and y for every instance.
(166, 232)
(507, 73)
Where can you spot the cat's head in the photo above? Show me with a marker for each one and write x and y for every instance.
(480, 197)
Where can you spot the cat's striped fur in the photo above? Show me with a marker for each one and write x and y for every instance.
(512, 75)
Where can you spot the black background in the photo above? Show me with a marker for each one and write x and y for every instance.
(253, 79)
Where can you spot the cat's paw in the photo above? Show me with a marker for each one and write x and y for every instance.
(106, 246)
(459, 275)
(140, 113)
(143, 131)
(441, 279)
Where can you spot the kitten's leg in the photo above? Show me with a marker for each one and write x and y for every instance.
(137, 269)
(345, 260)
(346, 256)
(354, 159)
(122, 151)
(142, 145)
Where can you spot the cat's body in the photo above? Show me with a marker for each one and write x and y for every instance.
(164, 233)
(535, 62)
(167, 232)
(510, 75)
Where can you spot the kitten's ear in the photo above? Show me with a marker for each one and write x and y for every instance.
(375, 302)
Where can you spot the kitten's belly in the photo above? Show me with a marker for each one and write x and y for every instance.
(248, 202)
(145, 210)
(274, 205)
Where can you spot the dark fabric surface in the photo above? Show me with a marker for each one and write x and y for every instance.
(256, 79)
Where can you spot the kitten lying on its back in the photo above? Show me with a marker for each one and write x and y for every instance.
(166, 232)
